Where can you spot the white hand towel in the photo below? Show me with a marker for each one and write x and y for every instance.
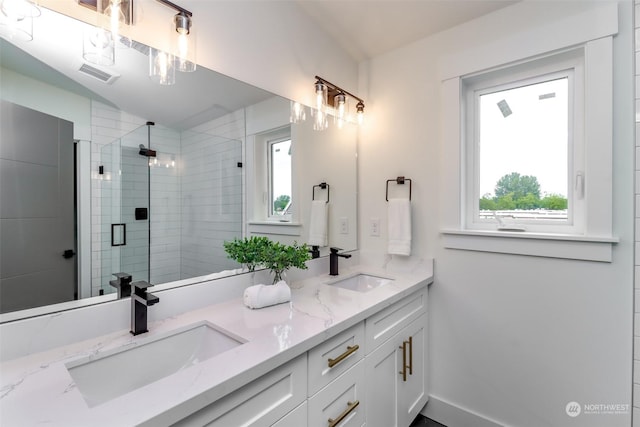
(259, 296)
(318, 223)
(399, 227)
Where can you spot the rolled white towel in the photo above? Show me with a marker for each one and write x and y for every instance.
(259, 296)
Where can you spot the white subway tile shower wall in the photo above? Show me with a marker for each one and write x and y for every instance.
(164, 210)
(211, 193)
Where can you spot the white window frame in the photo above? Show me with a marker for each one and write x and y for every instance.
(595, 242)
(270, 195)
(570, 65)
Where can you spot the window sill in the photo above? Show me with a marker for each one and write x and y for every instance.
(586, 248)
(286, 228)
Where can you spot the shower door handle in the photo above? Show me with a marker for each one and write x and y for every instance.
(118, 234)
(69, 253)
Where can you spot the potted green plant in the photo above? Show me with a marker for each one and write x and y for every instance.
(279, 258)
(248, 251)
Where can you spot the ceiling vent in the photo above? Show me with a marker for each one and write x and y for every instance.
(97, 73)
(140, 47)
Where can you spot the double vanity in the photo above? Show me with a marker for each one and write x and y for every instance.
(349, 350)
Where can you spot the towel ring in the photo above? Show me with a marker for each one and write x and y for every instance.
(323, 186)
(400, 181)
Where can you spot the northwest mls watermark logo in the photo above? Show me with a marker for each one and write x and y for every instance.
(573, 409)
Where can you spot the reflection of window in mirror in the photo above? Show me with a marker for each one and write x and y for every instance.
(271, 173)
(279, 172)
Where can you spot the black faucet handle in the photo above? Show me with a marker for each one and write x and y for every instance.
(123, 278)
(141, 285)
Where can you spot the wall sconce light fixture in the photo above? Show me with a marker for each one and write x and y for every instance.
(183, 39)
(330, 97)
(320, 113)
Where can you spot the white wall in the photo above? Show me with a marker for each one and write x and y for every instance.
(513, 339)
(48, 99)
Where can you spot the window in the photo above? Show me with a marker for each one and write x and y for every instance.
(524, 146)
(279, 170)
(477, 151)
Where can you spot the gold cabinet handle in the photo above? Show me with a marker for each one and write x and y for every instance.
(410, 355)
(404, 361)
(350, 407)
(350, 350)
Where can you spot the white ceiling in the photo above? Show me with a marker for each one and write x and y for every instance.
(368, 28)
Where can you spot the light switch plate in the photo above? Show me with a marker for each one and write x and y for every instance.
(374, 227)
(344, 225)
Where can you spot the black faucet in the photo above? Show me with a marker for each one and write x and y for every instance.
(333, 260)
(122, 284)
(140, 300)
(315, 252)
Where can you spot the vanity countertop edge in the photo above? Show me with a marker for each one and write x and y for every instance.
(37, 389)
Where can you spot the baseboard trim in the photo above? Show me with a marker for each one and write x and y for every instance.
(455, 416)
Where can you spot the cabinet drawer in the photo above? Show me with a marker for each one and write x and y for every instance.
(262, 402)
(342, 401)
(341, 352)
(387, 322)
(295, 418)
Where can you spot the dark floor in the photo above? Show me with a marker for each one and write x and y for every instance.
(422, 421)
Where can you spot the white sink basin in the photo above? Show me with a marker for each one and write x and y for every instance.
(115, 373)
(361, 282)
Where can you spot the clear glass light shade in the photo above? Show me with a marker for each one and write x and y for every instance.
(320, 121)
(16, 19)
(184, 43)
(162, 68)
(340, 105)
(321, 96)
(98, 46)
(298, 112)
(19, 9)
(116, 17)
(360, 112)
(112, 19)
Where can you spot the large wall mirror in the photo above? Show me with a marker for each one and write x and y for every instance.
(104, 171)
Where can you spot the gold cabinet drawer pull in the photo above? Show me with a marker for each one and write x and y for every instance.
(410, 355)
(350, 350)
(404, 361)
(350, 407)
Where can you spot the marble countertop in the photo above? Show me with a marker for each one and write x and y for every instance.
(38, 390)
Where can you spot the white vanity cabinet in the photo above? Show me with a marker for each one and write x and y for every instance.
(297, 417)
(396, 363)
(337, 382)
(260, 403)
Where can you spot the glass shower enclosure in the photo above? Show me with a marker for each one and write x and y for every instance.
(163, 204)
(124, 206)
